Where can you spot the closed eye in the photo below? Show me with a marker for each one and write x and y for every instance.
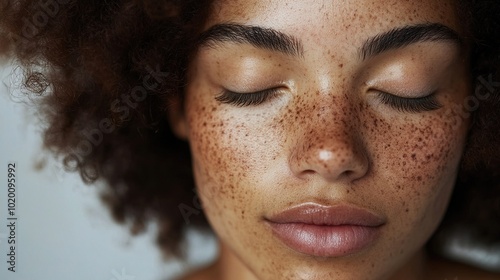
(247, 99)
(413, 105)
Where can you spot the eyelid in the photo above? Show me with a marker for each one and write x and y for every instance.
(409, 104)
(242, 99)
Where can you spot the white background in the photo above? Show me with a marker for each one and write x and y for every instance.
(63, 231)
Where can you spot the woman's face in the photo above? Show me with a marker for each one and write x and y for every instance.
(324, 139)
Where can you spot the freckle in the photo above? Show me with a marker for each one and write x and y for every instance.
(341, 65)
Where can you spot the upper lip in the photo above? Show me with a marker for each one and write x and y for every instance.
(322, 215)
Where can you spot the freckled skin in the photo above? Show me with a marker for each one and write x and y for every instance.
(326, 139)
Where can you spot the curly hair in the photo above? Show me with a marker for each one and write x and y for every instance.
(108, 70)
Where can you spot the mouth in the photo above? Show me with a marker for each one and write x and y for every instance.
(326, 231)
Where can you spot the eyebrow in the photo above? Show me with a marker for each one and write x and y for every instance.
(264, 38)
(274, 40)
(407, 35)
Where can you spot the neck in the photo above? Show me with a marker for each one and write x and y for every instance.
(414, 268)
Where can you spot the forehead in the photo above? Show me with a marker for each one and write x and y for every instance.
(337, 19)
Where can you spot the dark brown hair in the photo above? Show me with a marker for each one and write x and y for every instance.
(107, 71)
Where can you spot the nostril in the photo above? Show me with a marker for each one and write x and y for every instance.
(348, 173)
(308, 172)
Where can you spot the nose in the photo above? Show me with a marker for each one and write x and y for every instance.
(329, 144)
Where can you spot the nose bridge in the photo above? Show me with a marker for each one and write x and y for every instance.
(329, 143)
(332, 126)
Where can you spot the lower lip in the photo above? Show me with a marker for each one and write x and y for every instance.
(325, 241)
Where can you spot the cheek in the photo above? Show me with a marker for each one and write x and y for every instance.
(418, 161)
(223, 157)
(230, 155)
(417, 152)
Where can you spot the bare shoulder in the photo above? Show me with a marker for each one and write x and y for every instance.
(442, 269)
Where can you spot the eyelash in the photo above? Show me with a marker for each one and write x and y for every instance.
(247, 99)
(412, 105)
(403, 104)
